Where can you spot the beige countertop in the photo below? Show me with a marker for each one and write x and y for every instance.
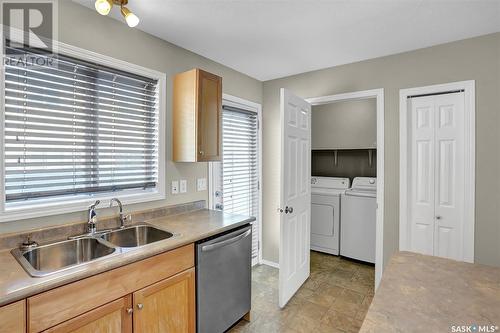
(421, 293)
(16, 284)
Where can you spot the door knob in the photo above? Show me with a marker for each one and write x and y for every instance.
(140, 306)
(130, 310)
(288, 210)
(438, 217)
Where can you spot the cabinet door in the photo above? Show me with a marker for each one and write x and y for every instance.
(166, 306)
(13, 317)
(209, 117)
(114, 317)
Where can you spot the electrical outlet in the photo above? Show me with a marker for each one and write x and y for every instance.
(175, 186)
(201, 184)
(184, 185)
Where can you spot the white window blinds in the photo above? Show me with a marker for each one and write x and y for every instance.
(77, 128)
(240, 171)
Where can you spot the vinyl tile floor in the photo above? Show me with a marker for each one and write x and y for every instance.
(334, 299)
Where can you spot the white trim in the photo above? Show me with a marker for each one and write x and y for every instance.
(60, 207)
(470, 157)
(211, 180)
(379, 95)
(2, 122)
(257, 108)
(270, 263)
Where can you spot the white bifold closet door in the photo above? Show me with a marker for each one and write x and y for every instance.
(437, 175)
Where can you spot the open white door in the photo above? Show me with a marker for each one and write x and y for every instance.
(295, 194)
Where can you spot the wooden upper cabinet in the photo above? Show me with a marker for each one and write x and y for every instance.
(167, 306)
(13, 318)
(197, 122)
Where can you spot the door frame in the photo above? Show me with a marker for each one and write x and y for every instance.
(257, 108)
(470, 157)
(378, 94)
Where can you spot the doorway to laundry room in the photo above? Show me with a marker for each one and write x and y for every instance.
(344, 250)
(344, 202)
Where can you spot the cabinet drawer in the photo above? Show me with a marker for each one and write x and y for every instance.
(13, 318)
(113, 317)
(60, 304)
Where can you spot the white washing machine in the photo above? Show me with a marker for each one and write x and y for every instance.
(325, 212)
(357, 225)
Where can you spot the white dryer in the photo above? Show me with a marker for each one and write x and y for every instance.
(357, 226)
(325, 212)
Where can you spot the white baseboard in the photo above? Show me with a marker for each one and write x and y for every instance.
(270, 263)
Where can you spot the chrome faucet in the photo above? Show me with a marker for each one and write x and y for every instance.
(91, 224)
(122, 217)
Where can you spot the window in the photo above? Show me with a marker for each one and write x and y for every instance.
(237, 179)
(80, 129)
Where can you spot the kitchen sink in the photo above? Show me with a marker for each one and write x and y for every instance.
(53, 258)
(135, 236)
(47, 259)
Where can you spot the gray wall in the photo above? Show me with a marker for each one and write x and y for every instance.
(473, 59)
(344, 125)
(85, 28)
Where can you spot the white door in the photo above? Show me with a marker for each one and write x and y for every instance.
(295, 194)
(437, 175)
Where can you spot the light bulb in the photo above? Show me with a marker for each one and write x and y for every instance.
(103, 7)
(131, 18)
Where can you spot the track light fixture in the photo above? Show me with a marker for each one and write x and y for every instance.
(103, 7)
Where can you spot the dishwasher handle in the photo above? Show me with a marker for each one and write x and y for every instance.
(218, 245)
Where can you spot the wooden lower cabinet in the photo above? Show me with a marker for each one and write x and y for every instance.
(62, 304)
(13, 317)
(167, 306)
(114, 317)
(156, 294)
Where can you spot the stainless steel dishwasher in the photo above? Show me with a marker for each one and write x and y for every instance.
(223, 280)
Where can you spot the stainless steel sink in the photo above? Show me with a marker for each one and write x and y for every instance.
(135, 236)
(47, 259)
(56, 257)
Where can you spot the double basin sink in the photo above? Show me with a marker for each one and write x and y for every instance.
(60, 256)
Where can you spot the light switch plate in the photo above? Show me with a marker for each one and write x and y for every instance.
(175, 186)
(201, 184)
(184, 185)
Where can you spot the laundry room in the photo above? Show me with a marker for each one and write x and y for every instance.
(344, 183)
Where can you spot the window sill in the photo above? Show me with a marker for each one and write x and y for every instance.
(44, 209)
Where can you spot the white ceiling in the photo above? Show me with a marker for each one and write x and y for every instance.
(268, 39)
